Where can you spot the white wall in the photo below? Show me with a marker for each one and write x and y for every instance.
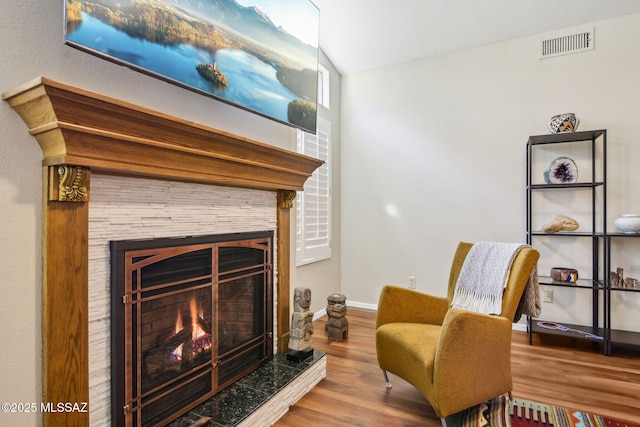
(433, 152)
(32, 46)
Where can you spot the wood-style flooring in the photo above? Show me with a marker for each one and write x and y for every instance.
(562, 373)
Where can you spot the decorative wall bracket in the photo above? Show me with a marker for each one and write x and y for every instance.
(286, 198)
(69, 183)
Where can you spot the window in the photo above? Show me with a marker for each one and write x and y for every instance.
(313, 205)
(323, 86)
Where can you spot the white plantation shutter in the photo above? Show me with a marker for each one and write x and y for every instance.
(323, 86)
(313, 205)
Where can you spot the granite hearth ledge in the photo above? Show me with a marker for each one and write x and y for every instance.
(262, 397)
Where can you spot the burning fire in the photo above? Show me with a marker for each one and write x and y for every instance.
(200, 339)
(195, 315)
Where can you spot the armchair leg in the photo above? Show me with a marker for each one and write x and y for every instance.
(386, 379)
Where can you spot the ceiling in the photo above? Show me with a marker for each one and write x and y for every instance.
(359, 35)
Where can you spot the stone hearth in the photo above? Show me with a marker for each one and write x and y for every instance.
(262, 397)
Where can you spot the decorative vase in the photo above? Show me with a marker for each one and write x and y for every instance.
(567, 122)
(628, 223)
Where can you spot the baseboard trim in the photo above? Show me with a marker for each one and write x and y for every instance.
(519, 327)
(363, 305)
(318, 314)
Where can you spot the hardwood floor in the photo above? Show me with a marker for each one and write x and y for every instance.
(354, 394)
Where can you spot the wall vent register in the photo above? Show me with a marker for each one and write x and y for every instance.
(566, 43)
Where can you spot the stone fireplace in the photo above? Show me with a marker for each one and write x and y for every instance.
(91, 140)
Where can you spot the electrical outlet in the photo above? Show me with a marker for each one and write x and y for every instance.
(547, 295)
(412, 282)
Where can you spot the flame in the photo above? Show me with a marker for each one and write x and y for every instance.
(200, 339)
(179, 325)
(177, 353)
(196, 330)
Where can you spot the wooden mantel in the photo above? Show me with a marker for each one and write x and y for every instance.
(81, 132)
(81, 128)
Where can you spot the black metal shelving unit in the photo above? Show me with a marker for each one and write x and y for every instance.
(598, 281)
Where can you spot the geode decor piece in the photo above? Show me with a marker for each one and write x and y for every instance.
(562, 170)
(567, 122)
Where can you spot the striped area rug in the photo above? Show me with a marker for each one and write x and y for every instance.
(502, 412)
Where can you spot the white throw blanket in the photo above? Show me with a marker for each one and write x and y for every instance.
(484, 276)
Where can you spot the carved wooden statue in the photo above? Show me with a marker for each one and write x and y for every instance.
(337, 326)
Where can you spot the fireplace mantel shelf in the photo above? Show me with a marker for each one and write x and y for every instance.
(80, 128)
(81, 132)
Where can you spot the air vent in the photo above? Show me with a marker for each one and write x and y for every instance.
(566, 43)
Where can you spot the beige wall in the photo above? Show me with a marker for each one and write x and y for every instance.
(433, 152)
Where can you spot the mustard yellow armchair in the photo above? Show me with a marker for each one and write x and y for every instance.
(455, 358)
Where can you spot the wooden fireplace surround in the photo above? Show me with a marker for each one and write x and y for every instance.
(81, 132)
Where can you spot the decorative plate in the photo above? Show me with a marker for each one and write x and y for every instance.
(562, 170)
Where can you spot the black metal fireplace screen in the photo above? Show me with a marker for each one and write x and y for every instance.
(190, 316)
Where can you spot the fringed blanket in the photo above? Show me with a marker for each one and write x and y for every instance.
(484, 276)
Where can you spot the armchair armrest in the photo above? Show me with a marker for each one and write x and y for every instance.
(405, 305)
(473, 358)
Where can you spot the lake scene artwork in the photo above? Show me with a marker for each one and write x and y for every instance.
(260, 55)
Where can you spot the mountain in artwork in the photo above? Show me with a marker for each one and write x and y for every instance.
(247, 21)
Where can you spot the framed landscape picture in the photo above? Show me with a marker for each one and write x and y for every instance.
(259, 55)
